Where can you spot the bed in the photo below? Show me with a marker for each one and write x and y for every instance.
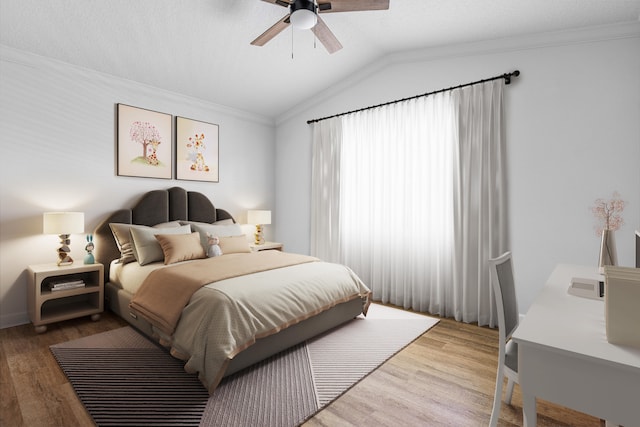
(219, 314)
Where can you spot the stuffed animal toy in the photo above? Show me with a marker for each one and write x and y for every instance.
(89, 258)
(213, 247)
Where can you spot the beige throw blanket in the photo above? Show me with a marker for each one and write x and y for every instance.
(166, 291)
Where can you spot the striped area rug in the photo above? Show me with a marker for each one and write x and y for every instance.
(122, 378)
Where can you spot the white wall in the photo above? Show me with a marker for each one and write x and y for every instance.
(573, 135)
(57, 147)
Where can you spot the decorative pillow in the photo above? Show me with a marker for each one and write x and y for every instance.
(180, 247)
(234, 244)
(220, 230)
(122, 234)
(123, 240)
(145, 246)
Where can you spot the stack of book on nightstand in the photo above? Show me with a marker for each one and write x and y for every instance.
(61, 285)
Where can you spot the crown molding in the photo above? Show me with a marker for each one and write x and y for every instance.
(50, 65)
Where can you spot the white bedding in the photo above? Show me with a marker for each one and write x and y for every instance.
(209, 339)
(246, 308)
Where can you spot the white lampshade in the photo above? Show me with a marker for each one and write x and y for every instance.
(303, 19)
(259, 217)
(63, 222)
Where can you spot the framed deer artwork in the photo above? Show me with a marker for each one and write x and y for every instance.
(197, 150)
(143, 143)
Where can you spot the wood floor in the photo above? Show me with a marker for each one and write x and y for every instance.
(444, 378)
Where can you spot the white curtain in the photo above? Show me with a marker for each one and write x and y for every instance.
(411, 197)
(325, 190)
(481, 198)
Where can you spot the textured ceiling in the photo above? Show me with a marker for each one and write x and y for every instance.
(201, 47)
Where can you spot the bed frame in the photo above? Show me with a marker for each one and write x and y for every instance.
(173, 204)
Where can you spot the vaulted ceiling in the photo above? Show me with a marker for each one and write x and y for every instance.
(201, 48)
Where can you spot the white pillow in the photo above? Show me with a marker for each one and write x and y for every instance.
(170, 224)
(145, 245)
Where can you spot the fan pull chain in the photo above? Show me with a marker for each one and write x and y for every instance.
(292, 42)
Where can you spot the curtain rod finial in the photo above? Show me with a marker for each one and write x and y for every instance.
(507, 77)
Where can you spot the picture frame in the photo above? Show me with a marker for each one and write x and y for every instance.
(144, 145)
(197, 150)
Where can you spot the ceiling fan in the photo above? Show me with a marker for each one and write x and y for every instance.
(304, 14)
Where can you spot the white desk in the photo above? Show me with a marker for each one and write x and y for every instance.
(564, 356)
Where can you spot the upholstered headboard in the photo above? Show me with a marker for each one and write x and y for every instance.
(154, 207)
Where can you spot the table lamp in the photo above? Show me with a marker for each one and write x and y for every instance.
(63, 224)
(259, 218)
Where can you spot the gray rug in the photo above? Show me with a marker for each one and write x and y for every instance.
(123, 379)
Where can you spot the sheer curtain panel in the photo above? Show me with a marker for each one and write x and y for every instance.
(410, 196)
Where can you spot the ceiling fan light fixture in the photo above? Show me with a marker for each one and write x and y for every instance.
(303, 19)
(303, 15)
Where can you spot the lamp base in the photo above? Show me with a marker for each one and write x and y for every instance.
(258, 237)
(65, 261)
(63, 251)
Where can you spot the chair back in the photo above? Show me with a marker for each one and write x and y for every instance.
(505, 292)
(637, 248)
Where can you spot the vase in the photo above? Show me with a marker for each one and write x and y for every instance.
(608, 255)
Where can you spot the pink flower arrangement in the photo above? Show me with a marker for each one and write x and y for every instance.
(608, 213)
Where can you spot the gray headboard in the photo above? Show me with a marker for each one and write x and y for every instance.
(153, 208)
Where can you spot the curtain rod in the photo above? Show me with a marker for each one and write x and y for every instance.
(505, 76)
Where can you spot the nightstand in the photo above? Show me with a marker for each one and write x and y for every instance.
(266, 246)
(69, 300)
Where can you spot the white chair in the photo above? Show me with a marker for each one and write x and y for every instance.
(637, 248)
(508, 318)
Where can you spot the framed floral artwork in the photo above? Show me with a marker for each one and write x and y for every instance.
(144, 147)
(197, 150)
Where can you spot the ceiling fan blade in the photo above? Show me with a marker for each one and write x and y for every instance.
(275, 29)
(326, 37)
(278, 2)
(351, 5)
